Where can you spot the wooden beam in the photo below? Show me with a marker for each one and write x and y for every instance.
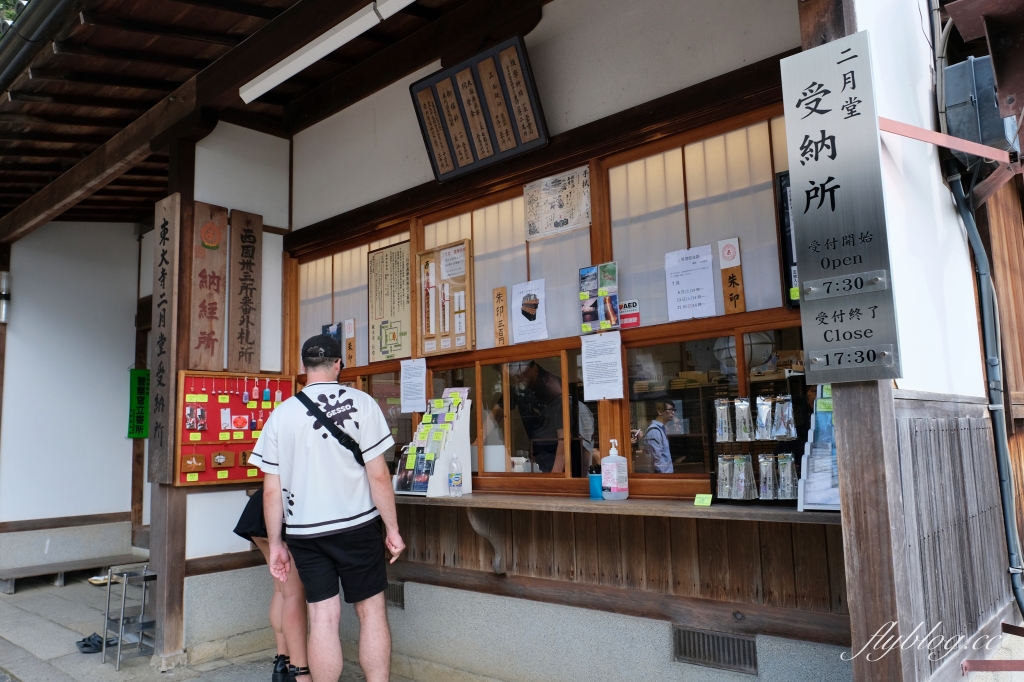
(138, 56)
(822, 21)
(70, 138)
(157, 29)
(56, 521)
(420, 12)
(34, 153)
(263, 124)
(404, 57)
(224, 562)
(80, 100)
(237, 7)
(113, 80)
(63, 120)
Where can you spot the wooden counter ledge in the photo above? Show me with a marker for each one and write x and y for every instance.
(664, 508)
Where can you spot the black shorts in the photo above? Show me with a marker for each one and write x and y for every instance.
(355, 556)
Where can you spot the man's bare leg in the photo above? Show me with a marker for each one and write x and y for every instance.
(324, 650)
(374, 639)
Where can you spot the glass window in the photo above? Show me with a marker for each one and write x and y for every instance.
(499, 259)
(314, 297)
(730, 193)
(775, 362)
(494, 388)
(584, 435)
(648, 205)
(447, 231)
(557, 261)
(458, 378)
(386, 389)
(672, 389)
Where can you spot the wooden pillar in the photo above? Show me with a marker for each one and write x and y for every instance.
(143, 322)
(168, 507)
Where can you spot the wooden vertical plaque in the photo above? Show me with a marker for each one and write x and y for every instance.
(490, 79)
(209, 288)
(432, 120)
(513, 70)
(453, 118)
(732, 276)
(163, 339)
(246, 292)
(475, 114)
(500, 298)
(350, 342)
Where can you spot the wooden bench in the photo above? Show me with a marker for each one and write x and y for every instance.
(9, 575)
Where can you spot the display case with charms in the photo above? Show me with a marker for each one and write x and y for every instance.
(219, 418)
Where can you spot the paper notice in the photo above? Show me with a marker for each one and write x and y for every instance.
(690, 282)
(602, 366)
(414, 385)
(526, 308)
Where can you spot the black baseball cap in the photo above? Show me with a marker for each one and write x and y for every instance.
(321, 346)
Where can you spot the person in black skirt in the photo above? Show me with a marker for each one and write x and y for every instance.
(288, 605)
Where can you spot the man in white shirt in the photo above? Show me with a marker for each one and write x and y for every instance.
(331, 508)
(656, 438)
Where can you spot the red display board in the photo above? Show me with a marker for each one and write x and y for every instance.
(217, 428)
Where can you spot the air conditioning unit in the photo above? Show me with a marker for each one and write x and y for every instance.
(972, 108)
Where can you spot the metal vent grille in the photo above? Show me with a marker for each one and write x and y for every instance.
(395, 594)
(716, 650)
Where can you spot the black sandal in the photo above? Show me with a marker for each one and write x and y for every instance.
(299, 672)
(93, 644)
(281, 669)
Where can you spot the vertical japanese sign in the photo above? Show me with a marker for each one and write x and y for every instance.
(388, 291)
(500, 296)
(732, 276)
(138, 403)
(246, 287)
(209, 288)
(846, 301)
(163, 338)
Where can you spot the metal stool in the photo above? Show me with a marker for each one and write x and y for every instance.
(132, 620)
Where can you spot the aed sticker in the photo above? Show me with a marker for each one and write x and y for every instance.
(251, 473)
(225, 435)
(238, 435)
(629, 314)
(450, 417)
(256, 434)
(223, 399)
(191, 478)
(265, 405)
(222, 474)
(410, 462)
(702, 500)
(251, 405)
(202, 398)
(195, 436)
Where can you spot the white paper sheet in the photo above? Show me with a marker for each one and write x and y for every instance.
(690, 282)
(602, 366)
(414, 385)
(524, 296)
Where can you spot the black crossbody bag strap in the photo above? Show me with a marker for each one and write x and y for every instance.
(346, 440)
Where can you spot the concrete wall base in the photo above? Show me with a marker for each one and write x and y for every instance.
(169, 662)
(226, 614)
(58, 545)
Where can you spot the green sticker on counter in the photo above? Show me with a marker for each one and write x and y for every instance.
(251, 405)
(238, 435)
(191, 478)
(438, 403)
(794, 293)
(195, 436)
(584, 295)
(265, 405)
(223, 399)
(410, 462)
(702, 500)
(450, 417)
(587, 327)
(224, 435)
(823, 405)
(222, 474)
(251, 473)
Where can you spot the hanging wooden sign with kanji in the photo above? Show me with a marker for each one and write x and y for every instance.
(246, 297)
(163, 338)
(209, 288)
(732, 276)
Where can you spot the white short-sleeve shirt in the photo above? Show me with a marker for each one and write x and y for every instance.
(323, 488)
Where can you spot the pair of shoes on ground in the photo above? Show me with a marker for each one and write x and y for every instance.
(93, 644)
(284, 671)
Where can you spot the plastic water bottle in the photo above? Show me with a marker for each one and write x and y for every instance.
(455, 477)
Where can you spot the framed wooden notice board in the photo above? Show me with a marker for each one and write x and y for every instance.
(217, 427)
(480, 111)
(389, 304)
(445, 316)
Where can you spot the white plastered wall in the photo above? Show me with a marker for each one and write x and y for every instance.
(591, 58)
(70, 342)
(933, 279)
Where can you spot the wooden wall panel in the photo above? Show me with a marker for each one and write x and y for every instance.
(658, 553)
(1006, 239)
(810, 564)
(543, 549)
(744, 562)
(836, 569)
(585, 527)
(713, 554)
(563, 541)
(609, 551)
(448, 535)
(685, 558)
(634, 556)
(246, 292)
(777, 576)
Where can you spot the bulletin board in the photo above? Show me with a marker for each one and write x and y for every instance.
(215, 455)
(445, 303)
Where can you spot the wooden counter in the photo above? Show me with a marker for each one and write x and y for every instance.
(662, 508)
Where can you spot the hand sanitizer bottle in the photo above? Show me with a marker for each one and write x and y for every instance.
(455, 477)
(614, 474)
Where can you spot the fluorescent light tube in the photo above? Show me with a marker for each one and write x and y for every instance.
(352, 27)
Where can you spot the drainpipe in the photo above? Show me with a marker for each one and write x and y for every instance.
(994, 378)
(34, 26)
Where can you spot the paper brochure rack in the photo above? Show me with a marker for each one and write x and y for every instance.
(455, 444)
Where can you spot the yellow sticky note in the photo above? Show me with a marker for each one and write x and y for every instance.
(265, 405)
(584, 295)
(223, 399)
(412, 450)
(251, 405)
(826, 390)
(224, 435)
(256, 434)
(450, 417)
(189, 398)
(238, 435)
(191, 478)
(456, 400)
(794, 293)
(203, 398)
(427, 419)
(445, 427)
(438, 435)
(702, 501)
(602, 292)
(430, 457)
(410, 462)
(195, 436)
(824, 405)
(605, 324)
(222, 474)
(438, 403)
(586, 327)
(277, 404)
(251, 473)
